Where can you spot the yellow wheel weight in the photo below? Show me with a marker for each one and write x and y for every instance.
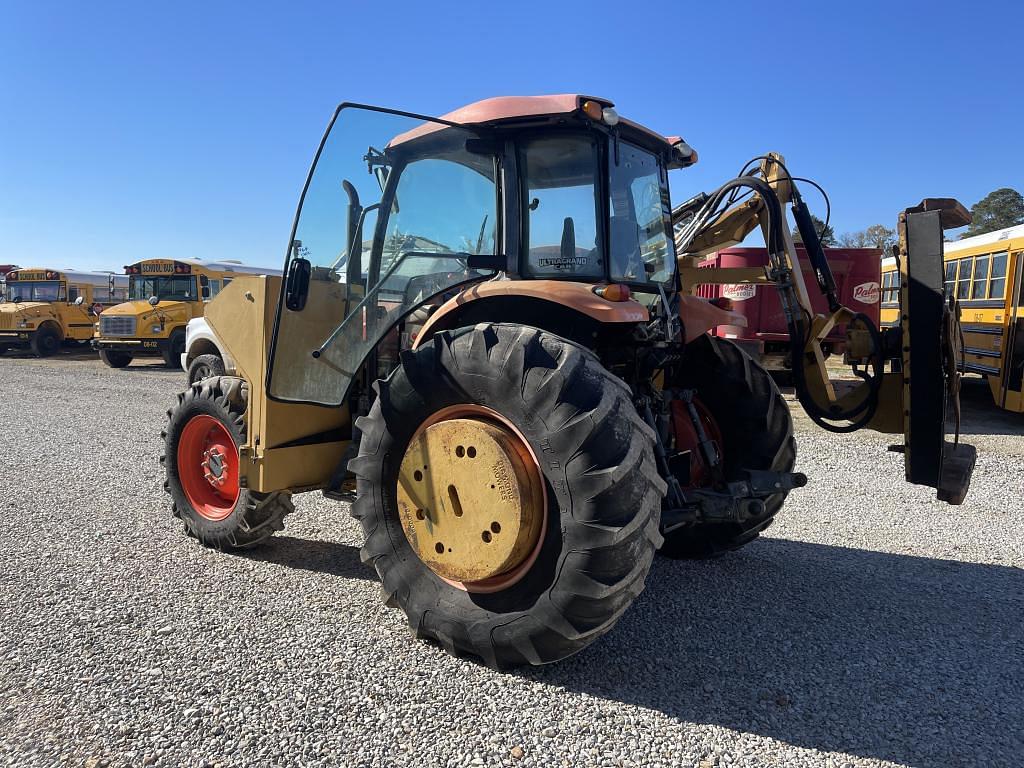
(470, 498)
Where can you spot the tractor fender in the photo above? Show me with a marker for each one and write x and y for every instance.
(569, 309)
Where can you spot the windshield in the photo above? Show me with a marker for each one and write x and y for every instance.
(170, 288)
(416, 198)
(42, 290)
(641, 218)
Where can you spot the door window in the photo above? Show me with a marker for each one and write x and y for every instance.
(393, 210)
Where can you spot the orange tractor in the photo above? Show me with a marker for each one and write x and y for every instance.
(487, 337)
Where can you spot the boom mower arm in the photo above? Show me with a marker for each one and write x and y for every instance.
(875, 399)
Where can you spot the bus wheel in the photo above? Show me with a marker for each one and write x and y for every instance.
(203, 367)
(175, 349)
(46, 341)
(204, 432)
(115, 359)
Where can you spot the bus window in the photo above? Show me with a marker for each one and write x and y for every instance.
(997, 283)
(214, 288)
(980, 277)
(963, 280)
(890, 287)
(950, 277)
(72, 293)
(120, 295)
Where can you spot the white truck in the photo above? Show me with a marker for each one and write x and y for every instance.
(204, 355)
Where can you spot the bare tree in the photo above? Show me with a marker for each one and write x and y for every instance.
(876, 236)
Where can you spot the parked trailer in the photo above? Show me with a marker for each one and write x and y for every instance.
(765, 338)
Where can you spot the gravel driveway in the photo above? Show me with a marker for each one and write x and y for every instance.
(873, 626)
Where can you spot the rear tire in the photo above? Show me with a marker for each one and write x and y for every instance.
(603, 493)
(175, 349)
(757, 433)
(46, 341)
(114, 359)
(203, 367)
(253, 517)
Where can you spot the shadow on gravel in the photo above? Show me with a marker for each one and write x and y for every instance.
(73, 354)
(908, 659)
(328, 557)
(980, 414)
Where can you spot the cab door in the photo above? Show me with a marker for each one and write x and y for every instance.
(397, 210)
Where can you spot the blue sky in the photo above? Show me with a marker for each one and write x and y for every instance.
(136, 130)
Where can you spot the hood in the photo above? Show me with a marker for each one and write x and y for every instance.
(140, 307)
(29, 308)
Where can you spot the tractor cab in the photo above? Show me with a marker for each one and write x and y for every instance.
(402, 211)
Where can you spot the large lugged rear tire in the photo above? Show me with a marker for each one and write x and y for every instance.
(208, 425)
(603, 492)
(757, 433)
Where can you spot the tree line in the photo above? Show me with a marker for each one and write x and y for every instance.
(997, 210)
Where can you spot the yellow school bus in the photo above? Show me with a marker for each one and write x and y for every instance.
(985, 274)
(163, 295)
(45, 308)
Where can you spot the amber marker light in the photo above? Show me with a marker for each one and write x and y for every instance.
(593, 110)
(613, 292)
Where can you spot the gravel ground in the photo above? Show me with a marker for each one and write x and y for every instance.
(873, 626)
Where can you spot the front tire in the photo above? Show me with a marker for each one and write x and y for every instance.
(603, 493)
(204, 432)
(174, 350)
(203, 367)
(114, 359)
(46, 342)
(757, 433)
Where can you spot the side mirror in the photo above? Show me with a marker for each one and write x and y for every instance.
(153, 301)
(205, 291)
(297, 286)
(79, 301)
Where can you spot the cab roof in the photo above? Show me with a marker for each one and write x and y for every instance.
(509, 110)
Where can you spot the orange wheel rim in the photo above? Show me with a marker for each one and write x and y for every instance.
(208, 467)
